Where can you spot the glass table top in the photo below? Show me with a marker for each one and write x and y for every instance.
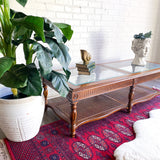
(103, 72)
(126, 66)
(99, 73)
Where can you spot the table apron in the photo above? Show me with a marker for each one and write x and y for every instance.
(75, 96)
(146, 78)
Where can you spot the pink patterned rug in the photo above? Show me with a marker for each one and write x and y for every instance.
(94, 141)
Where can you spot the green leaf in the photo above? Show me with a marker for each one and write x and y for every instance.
(58, 34)
(1, 2)
(31, 22)
(49, 34)
(66, 29)
(22, 2)
(5, 64)
(49, 26)
(44, 57)
(148, 34)
(16, 14)
(58, 29)
(21, 33)
(60, 52)
(59, 82)
(67, 72)
(27, 53)
(16, 77)
(34, 83)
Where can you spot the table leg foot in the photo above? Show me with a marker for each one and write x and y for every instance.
(73, 134)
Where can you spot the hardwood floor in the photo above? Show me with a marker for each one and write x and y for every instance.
(49, 115)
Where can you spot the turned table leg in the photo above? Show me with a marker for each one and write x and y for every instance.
(45, 93)
(73, 119)
(131, 96)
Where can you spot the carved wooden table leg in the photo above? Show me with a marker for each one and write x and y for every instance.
(45, 93)
(131, 96)
(73, 119)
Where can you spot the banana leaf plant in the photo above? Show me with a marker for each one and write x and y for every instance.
(42, 41)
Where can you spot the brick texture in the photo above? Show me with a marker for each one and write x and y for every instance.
(103, 27)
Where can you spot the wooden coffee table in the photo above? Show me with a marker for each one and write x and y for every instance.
(112, 87)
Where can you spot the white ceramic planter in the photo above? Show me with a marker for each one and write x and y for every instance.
(20, 119)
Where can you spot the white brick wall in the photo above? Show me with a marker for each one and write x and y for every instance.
(103, 27)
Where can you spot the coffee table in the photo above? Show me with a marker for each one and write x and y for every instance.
(110, 88)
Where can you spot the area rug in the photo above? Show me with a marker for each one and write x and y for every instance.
(94, 141)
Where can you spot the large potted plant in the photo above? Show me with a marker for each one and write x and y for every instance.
(42, 40)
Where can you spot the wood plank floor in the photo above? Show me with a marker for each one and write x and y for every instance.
(49, 115)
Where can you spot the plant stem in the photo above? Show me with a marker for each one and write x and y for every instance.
(28, 54)
(15, 92)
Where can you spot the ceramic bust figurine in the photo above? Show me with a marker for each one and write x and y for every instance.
(140, 47)
(86, 57)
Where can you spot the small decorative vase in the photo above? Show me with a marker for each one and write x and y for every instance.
(140, 47)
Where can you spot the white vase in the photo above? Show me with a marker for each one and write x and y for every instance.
(140, 47)
(20, 119)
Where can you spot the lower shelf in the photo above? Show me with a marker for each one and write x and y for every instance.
(101, 106)
(142, 93)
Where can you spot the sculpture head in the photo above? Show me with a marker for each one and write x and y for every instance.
(141, 46)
